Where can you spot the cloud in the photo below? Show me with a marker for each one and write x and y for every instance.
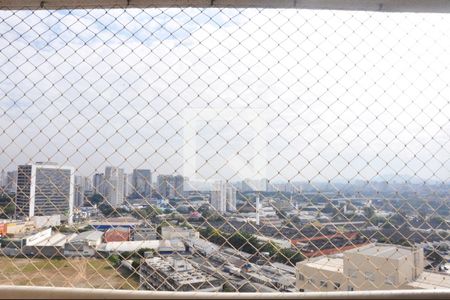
(343, 94)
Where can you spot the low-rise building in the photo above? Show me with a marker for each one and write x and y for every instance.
(52, 246)
(84, 244)
(176, 273)
(161, 246)
(170, 233)
(14, 246)
(144, 233)
(118, 222)
(371, 267)
(117, 235)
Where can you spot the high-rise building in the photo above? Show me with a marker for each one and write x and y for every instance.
(178, 186)
(230, 197)
(223, 197)
(163, 183)
(88, 188)
(98, 184)
(45, 189)
(142, 183)
(2, 179)
(80, 188)
(114, 186)
(126, 189)
(170, 186)
(11, 182)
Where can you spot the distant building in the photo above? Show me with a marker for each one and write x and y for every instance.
(117, 235)
(144, 233)
(80, 188)
(45, 189)
(98, 183)
(176, 273)
(170, 186)
(88, 188)
(163, 185)
(126, 185)
(11, 182)
(114, 186)
(142, 183)
(371, 267)
(178, 189)
(223, 197)
(2, 180)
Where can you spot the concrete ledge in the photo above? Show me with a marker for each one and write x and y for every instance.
(31, 292)
(437, 6)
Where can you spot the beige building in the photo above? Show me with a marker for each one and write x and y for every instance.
(372, 267)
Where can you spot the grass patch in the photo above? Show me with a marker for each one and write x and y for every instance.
(86, 272)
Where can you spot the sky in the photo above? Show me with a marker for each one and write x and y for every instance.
(228, 93)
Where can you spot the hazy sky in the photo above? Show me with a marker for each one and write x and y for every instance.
(282, 94)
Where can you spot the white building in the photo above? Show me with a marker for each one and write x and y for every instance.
(45, 189)
(114, 186)
(223, 197)
(142, 183)
(170, 186)
(80, 188)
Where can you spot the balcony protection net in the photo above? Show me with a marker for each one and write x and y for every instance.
(228, 150)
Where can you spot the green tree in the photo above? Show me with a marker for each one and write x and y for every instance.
(147, 213)
(114, 259)
(96, 199)
(289, 256)
(377, 220)
(270, 247)
(244, 242)
(9, 209)
(369, 212)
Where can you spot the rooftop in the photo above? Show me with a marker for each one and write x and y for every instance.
(165, 245)
(186, 275)
(382, 250)
(429, 280)
(333, 264)
(56, 240)
(91, 235)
